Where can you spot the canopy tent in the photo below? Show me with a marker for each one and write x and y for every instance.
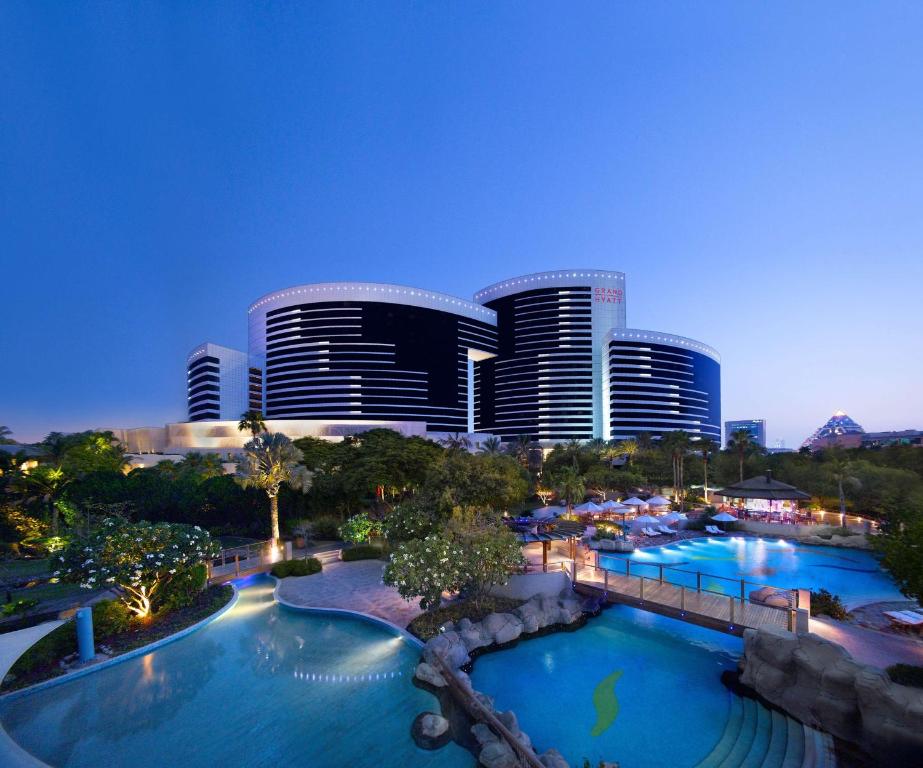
(547, 513)
(588, 507)
(634, 501)
(658, 501)
(763, 487)
(724, 517)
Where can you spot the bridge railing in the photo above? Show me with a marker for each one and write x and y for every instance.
(718, 597)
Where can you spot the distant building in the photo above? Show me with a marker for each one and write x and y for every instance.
(755, 427)
(219, 383)
(838, 431)
(884, 439)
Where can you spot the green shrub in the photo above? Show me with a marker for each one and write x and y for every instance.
(826, 604)
(296, 568)
(325, 528)
(183, 589)
(19, 606)
(906, 674)
(426, 625)
(110, 617)
(362, 552)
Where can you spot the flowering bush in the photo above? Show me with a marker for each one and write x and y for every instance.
(136, 560)
(491, 553)
(408, 521)
(426, 568)
(359, 528)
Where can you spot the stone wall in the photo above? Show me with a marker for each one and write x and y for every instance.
(524, 586)
(819, 683)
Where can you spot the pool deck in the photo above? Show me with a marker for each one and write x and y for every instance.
(869, 646)
(355, 586)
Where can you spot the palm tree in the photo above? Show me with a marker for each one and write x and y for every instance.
(207, 465)
(741, 443)
(5, 433)
(456, 442)
(841, 472)
(46, 484)
(252, 421)
(628, 449)
(597, 445)
(570, 486)
(676, 443)
(491, 445)
(270, 460)
(520, 449)
(707, 448)
(645, 442)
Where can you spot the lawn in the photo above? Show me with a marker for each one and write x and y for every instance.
(17, 570)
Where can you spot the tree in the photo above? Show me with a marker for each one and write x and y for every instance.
(676, 444)
(5, 433)
(628, 449)
(252, 421)
(741, 443)
(520, 448)
(902, 556)
(706, 448)
(570, 486)
(45, 484)
(136, 560)
(456, 442)
(491, 552)
(270, 460)
(544, 493)
(491, 445)
(425, 568)
(410, 520)
(202, 466)
(841, 473)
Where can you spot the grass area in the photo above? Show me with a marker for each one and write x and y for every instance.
(47, 591)
(41, 661)
(16, 570)
(427, 625)
(229, 542)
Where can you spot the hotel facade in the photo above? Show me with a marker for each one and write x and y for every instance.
(547, 355)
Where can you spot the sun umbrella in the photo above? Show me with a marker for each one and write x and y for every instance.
(634, 501)
(658, 501)
(724, 517)
(646, 520)
(588, 507)
(609, 505)
(671, 517)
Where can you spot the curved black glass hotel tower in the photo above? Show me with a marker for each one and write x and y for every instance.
(366, 351)
(659, 382)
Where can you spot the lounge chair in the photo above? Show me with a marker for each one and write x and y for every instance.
(666, 530)
(904, 618)
(649, 532)
(714, 530)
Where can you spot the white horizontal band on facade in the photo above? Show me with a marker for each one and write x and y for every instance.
(668, 339)
(377, 292)
(561, 278)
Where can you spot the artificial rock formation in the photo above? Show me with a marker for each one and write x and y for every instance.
(454, 644)
(819, 683)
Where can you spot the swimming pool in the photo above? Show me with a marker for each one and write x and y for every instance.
(630, 686)
(854, 575)
(262, 686)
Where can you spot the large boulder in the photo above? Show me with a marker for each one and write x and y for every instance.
(553, 759)
(819, 683)
(429, 674)
(502, 627)
(530, 614)
(449, 647)
(430, 731)
(498, 754)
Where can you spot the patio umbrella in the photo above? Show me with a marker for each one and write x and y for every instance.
(724, 517)
(646, 520)
(610, 505)
(588, 507)
(658, 501)
(672, 517)
(634, 501)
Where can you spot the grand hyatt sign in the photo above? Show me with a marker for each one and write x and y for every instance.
(608, 295)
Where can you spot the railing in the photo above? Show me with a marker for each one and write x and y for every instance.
(692, 592)
(242, 558)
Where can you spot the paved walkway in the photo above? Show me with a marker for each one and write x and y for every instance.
(869, 646)
(353, 586)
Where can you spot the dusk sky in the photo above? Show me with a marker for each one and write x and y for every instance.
(755, 169)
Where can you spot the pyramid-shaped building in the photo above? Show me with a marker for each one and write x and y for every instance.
(839, 430)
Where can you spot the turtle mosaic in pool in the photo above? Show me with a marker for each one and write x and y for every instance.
(261, 686)
(854, 575)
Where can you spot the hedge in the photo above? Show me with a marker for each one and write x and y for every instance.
(361, 552)
(296, 568)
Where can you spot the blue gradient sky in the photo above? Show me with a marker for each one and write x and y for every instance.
(757, 170)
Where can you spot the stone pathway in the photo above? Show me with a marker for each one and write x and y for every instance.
(353, 586)
(869, 646)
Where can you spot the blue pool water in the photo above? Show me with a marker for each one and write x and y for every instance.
(261, 686)
(665, 675)
(853, 575)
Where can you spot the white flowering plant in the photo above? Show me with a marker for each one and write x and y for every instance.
(407, 521)
(426, 568)
(135, 560)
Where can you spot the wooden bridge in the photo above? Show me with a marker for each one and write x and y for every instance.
(681, 595)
